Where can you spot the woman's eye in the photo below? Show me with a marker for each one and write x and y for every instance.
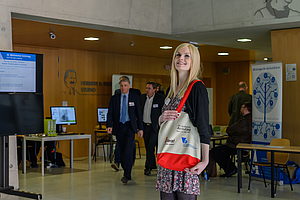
(178, 55)
(186, 56)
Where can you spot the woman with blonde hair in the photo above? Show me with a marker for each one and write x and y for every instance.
(186, 67)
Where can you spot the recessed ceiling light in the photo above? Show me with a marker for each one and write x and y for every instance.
(223, 54)
(244, 40)
(165, 47)
(266, 59)
(91, 38)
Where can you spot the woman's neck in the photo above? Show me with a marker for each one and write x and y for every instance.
(182, 76)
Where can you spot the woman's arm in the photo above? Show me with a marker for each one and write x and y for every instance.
(201, 165)
(197, 108)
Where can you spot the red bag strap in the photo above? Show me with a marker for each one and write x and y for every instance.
(185, 96)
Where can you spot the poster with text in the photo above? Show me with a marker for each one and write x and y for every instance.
(266, 110)
(267, 102)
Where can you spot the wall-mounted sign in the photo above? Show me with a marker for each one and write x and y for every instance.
(291, 72)
(86, 87)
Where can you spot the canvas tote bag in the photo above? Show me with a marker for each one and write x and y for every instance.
(179, 141)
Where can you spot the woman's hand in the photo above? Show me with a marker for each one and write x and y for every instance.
(167, 115)
(201, 165)
(197, 169)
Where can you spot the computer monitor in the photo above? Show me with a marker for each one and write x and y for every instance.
(63, 115)
(102, 115)
(21, 113)
(21, 72)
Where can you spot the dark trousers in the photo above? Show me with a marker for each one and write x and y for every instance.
(221, 154)
(117, 153)
(150, 139)
(125, 141)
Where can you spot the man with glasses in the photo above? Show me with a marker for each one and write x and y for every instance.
(240, 132)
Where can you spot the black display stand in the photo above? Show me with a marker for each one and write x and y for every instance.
(4, 173)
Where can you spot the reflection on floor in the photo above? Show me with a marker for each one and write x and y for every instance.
(102, 182)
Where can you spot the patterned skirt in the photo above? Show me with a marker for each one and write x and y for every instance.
(169, 181)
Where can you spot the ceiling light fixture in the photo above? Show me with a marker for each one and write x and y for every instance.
(195, 43)
(165, 47)
(91, 38)
(223, 54)
(244, 40)
(266, 59)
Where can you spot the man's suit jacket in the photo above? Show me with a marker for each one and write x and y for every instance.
(156, 107)
(135, 115)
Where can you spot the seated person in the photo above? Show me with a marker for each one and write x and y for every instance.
(240, 132)
(33, 148)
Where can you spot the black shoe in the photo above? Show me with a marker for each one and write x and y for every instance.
(147, 172)
(34, 165)
(124, 180)
(229, 174)
(115, 166)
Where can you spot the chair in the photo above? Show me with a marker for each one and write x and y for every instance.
(138, 144)
(104, 143)
(245, 160)
(280, 160)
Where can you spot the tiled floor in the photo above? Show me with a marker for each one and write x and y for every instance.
(102, 182)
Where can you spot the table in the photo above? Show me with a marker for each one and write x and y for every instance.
(215, 138)
(43, 139)
(272, 149)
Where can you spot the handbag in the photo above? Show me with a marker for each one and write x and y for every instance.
(178, 140)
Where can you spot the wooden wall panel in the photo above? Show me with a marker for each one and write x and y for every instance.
(227, 85)
(96, 67)
(209, 73)
(285, 48)
(90, 67)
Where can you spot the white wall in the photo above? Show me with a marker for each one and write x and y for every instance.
(152, 16)
(207, 15)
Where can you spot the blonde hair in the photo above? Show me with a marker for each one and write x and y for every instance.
(195, 70)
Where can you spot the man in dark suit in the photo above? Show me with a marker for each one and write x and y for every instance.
(116, 163)
(236, 101)
(151, 105)
(123, 119)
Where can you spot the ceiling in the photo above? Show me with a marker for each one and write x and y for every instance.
(70, 36)
(36, 33)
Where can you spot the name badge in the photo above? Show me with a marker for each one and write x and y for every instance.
(167, 101)
(131, 103)
(155, 105)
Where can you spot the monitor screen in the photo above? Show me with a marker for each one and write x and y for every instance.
(102, 114)
(63, 115)
(21, 72)
(21, 113)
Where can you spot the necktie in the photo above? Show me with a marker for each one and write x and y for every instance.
(123, 111)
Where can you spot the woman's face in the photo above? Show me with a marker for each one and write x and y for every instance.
(183, 59)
